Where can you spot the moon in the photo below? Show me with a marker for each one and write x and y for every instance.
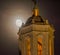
(18, 22)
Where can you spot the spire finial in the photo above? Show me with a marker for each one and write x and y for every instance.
(35, 9)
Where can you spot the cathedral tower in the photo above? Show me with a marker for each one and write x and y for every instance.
(36, 36)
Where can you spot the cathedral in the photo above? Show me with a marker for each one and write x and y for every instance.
(36, 36)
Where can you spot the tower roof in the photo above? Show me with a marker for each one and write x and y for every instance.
(35, 20)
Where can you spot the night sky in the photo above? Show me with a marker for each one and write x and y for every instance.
(9, 12)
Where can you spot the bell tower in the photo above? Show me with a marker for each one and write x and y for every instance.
(36, 36)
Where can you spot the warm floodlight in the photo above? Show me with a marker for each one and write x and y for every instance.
(19, 22)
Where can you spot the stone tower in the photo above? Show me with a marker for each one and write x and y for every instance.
(36, 36)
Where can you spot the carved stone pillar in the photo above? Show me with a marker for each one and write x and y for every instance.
(45, 45)
(52, 46)
(23, 46)
(34, 45)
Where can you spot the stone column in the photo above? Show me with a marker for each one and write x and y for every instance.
(45, 45)
(34, 45)
(52, 46)
(23, 46)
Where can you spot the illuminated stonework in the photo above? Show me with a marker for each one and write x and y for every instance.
(36, 39)
(36, 36)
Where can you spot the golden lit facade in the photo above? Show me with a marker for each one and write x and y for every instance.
(36, 40)
(36, 36)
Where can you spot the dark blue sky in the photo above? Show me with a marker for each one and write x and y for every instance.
(10, 9)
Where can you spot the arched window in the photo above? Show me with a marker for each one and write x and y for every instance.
(39, 46)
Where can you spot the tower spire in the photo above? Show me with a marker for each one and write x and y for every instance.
(35, 9)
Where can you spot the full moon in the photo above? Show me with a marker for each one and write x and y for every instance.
(19, 22)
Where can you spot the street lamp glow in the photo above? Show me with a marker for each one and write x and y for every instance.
(19, 22)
